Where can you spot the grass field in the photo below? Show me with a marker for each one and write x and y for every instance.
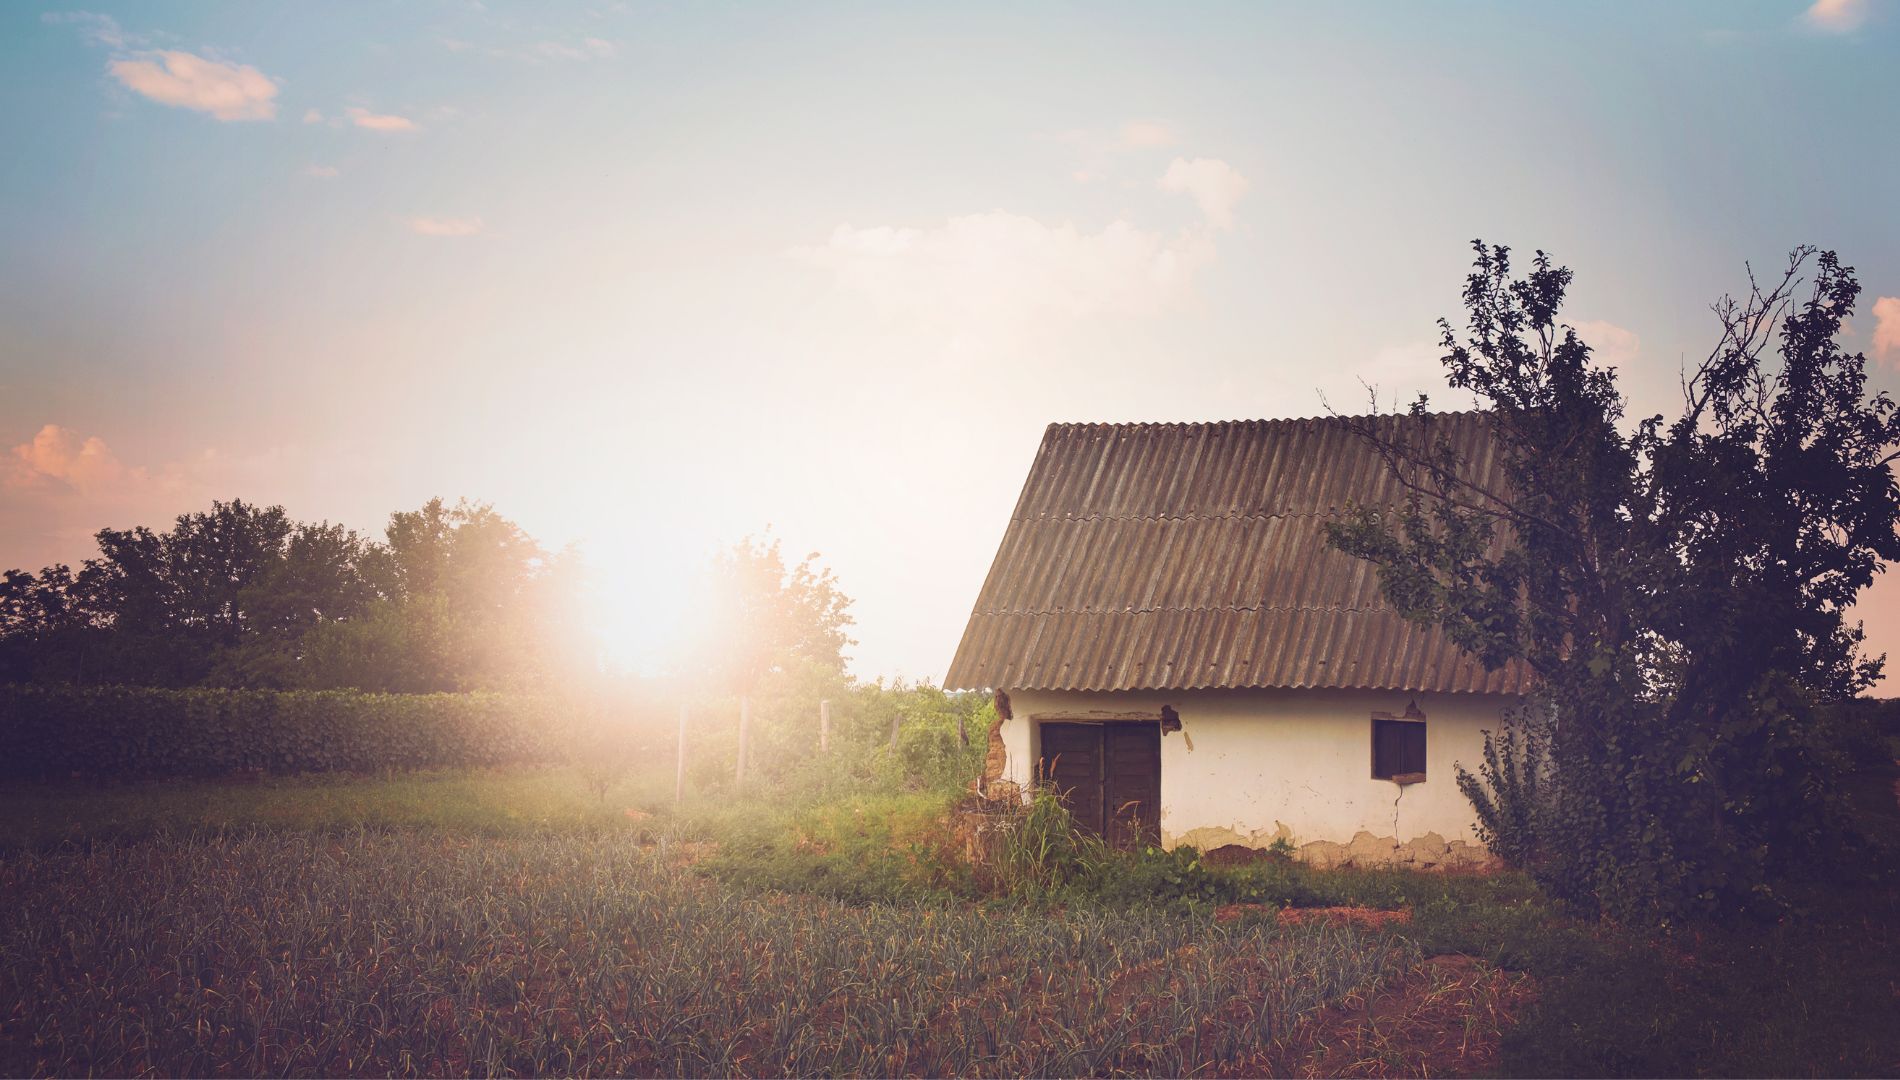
(514, 922)
(414, 952)
(486, 802)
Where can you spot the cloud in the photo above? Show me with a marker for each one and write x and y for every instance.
(1612, 344)
(590, 48)
(58, 458)
(363, 118)
(434, 226)
(1133, 135)
(1836, 16)
(1000, 267)
(1214, 185)
(187, 81)
(312, 116)
(1003, 267)
(1396, 375)
(320, 172)
(59, 487)
(1887, 329)
(96, 29)
(1142, 134)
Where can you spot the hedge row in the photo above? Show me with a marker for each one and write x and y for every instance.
(132, 732)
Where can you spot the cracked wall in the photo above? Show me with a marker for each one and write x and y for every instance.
(1250, 767)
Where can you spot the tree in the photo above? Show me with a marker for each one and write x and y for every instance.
(241, 595)
(1679, 589)
(767, 617)
(42, 626)
(463, 605)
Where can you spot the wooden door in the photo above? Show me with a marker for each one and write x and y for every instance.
(1072, 763)
(1131, 787)
(1109, 775)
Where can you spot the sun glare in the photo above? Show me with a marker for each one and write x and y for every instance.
(641, 614)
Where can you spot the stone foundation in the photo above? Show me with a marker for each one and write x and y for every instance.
(1427, 852)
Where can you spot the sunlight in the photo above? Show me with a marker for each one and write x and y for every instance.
(643, 615)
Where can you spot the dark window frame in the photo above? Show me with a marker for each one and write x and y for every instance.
(1411, 751)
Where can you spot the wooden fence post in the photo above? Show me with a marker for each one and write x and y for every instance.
(679, 773)
(824, 726)
(745, 736)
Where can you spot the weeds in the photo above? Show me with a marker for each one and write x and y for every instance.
(411, 952)
(493, 922)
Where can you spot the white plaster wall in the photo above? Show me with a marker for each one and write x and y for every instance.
(1248, 766)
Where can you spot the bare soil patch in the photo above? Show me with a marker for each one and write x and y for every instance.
(1446, 1017)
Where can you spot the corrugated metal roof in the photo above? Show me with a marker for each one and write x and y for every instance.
(1192, 556)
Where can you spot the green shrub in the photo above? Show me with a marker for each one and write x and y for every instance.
(142, 733)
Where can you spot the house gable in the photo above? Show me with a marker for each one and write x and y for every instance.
(1194, 556)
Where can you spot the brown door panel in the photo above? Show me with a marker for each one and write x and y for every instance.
(1072, 762)
(1109, 775)
(1132, 785)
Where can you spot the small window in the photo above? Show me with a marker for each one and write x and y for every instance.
(1398, 749)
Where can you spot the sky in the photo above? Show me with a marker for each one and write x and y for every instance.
(652, 278)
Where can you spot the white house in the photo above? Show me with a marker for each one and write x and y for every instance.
(1174, 645)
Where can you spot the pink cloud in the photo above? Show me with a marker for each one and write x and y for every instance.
(363, 118)
(59, 457)
(1213, 184)
(60, 487)
(1142, 134)
(185, 81)
(1887, 328)
(1837, 16)
(433, 226)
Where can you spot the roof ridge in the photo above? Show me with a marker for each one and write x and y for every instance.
(1175, 425)
(1151, 608)
(1196, 516)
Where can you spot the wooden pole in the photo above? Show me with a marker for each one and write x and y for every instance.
(963, 732)
(679, 772)
(745, 735)
(824, 727)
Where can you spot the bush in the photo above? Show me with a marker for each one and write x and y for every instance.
(141, 733)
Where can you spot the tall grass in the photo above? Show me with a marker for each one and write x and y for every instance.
(424, 953)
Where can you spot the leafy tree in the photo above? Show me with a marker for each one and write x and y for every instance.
(465, 606)
(1679, 588)
(241, 595)
(767, 617)
(42, 625)
(393, 647)
(160, 606)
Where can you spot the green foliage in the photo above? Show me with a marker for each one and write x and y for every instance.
(788, 766)
(887, 848)
(132, 733)
(767, 617)
(519, 800)
(458, 598)
(1508, 790)
(1041, 853)
(1677, 589)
